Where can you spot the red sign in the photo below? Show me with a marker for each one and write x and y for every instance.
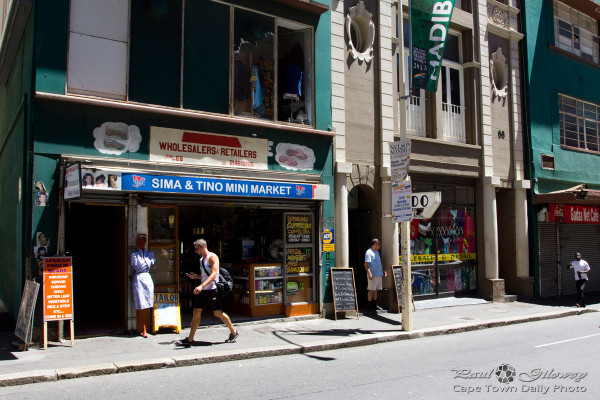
(58, 289)
(570, 214)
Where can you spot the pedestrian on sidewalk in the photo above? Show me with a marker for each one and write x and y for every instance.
(206, 294)
(581, 268)
(142, 285)
(375, 272)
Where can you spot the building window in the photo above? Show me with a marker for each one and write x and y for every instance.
(173, 55)
(579, 123)
(575, 32)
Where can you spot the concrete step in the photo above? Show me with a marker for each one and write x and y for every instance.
(509, 298)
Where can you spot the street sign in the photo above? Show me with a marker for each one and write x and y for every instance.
(424, 204)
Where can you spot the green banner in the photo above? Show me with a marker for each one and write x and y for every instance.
(429, 27)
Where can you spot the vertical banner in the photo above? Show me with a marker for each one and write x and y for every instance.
(401, 189)
(429, 26)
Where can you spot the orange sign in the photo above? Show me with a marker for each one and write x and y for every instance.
(58, 289)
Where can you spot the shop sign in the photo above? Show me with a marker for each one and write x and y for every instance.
(328, 240)
(72, 181)
(431, 258)
(176, 146)
(572, 214)
(222, 187)
(58, 288)
(424, 204)
(167, 313)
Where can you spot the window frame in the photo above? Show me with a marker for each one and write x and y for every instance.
(309, 84)
(581, 122)
(575, 27)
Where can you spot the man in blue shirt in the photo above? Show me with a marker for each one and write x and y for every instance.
(375, 273)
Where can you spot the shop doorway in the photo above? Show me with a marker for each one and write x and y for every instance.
(360, 234)
(96, 240)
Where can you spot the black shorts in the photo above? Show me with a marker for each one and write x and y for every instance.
(206, 298)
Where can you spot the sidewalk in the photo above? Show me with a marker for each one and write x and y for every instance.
(118, 354)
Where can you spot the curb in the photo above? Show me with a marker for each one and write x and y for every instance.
(28, 377)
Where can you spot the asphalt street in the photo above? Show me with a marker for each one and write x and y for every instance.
(550, 359)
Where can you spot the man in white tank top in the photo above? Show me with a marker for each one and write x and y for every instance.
(206, 294)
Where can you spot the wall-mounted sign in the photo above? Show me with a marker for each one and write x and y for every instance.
(424, 204)
(571, 214)
(298, 228)
(328, 240)
(176, 146)
(222, 187)
(72, 181)
(97, 179)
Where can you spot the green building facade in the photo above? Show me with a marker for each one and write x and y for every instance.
(178, 120)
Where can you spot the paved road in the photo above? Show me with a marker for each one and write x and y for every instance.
(552, 359)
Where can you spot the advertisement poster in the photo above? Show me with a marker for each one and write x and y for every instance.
(58, 288)
(429, 26)
(298, 228)
(402, 202)
(72, 181)
(185, 147)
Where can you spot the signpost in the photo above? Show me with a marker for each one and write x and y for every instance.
(58, 293)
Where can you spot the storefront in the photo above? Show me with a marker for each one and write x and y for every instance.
(444, 248)
(563, 230)
(262, 220)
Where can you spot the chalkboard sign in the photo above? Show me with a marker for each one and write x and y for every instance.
(24, 326)
(298, 260)
(397, 270)
(344, 291)
(298, 228)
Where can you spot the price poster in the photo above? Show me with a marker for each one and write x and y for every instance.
(58, 288)
(298, 260)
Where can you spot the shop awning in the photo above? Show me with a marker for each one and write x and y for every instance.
(579, 194)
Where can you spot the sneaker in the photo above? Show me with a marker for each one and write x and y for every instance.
(184, 342)
(232, 337)
(377, 308)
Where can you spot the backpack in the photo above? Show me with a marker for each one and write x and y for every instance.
(225, 283)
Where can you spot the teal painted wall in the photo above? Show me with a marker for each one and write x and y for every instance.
(51, 40)
(550, 72)
(15, 194)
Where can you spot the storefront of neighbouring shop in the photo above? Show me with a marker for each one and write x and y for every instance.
(563, 230)
(444, 248)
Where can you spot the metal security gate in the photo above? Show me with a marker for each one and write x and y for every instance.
(549, 270)
(586, 240)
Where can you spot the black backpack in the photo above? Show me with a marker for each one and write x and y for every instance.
(225, 283)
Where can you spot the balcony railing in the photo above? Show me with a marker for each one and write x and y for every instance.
(454, 123)
(415, 116)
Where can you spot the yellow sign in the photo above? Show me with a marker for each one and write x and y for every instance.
(166, 312)
(430, 258)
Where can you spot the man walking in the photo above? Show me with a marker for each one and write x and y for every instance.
(375, 273)
(581, 268)
(206, 294)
